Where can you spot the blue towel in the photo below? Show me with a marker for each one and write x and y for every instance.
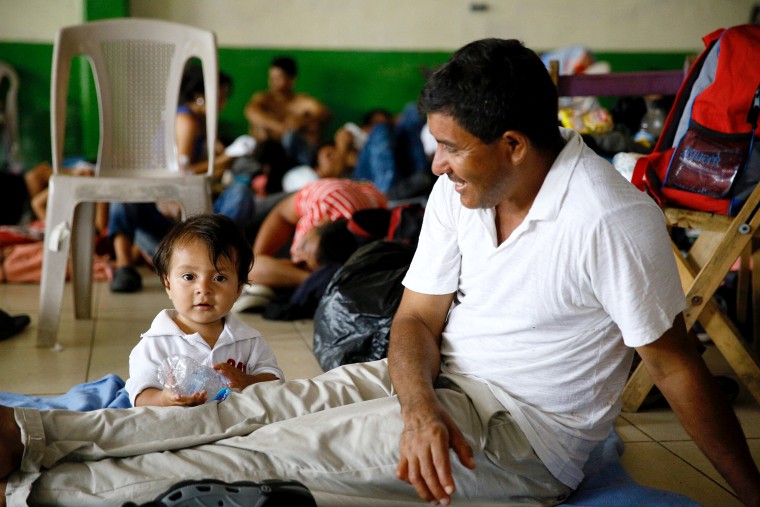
(108, 392)
(607, 484)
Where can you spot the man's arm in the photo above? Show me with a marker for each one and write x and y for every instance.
(414, 359)
(187, 131)
(259, 120)
(277, 227)
(682, 376)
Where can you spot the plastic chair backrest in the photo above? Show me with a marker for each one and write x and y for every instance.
(9, 117)
(137, 65)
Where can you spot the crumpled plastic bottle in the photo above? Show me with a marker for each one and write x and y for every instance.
(183, 375)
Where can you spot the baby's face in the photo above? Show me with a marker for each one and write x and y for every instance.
(202, 293)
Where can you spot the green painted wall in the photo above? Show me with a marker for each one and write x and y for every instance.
(32, 63)
(348, 82)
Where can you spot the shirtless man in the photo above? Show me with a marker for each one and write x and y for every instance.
(281, 114)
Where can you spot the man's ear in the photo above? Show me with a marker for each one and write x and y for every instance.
(517, 145)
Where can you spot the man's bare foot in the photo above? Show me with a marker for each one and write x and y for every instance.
(11, 448)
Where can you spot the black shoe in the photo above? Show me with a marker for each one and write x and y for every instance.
(210, 492)
(11, 325)
(126, 279)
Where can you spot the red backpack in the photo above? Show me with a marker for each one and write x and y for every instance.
(706, 158)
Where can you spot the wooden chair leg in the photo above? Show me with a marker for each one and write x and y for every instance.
(744, 286)
(728, 341)
(755, 335)
(636, 389)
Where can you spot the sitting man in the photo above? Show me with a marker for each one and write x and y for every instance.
(281, 114)
(538, 268)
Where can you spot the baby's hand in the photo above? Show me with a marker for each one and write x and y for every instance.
(237, 379)
(175, 400)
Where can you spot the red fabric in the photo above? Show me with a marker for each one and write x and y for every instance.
(722, 106)
(23, 264)
(331, 199)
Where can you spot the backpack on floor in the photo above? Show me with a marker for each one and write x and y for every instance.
(706, 157)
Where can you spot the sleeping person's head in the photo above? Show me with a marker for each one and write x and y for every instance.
(325, 244)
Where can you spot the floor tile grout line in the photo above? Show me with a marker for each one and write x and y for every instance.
(659, 442)
(707, 476)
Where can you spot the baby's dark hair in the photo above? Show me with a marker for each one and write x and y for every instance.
(336, 242)
(219, 233)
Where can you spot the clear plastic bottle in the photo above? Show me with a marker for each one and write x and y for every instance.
(183, 375)
(651, 125)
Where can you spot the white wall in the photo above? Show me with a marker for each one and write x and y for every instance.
(603, 25)
(628, 25)
(37, 20)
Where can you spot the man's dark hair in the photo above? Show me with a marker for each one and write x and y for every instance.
(336, 242)
(220, 234)
(491, 86)
(286, 64)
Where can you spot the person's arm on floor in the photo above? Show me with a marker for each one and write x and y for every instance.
(414, 359)
(277, 273)
(682, 376)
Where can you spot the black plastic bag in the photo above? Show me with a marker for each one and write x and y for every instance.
(353, 320)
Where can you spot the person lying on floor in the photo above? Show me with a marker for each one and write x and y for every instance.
(317, 203)
(530, 288)
(203, 264)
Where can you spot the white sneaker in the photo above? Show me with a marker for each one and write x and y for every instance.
(253, 296)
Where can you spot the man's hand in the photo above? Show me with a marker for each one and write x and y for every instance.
(424, 453)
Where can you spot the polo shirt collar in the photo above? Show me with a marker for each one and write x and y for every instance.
(234, 329)
(549, 199)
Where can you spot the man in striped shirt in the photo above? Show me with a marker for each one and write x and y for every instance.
(300, 215)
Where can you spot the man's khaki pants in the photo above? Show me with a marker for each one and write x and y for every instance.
(337, 433)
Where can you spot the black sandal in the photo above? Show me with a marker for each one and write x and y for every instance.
(212, 493)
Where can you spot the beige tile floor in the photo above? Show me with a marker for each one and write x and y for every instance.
(658, 452)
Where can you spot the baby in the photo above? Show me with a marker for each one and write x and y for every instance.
(203, 263)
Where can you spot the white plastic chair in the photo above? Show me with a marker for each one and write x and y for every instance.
(137, 66)
(9, 116)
